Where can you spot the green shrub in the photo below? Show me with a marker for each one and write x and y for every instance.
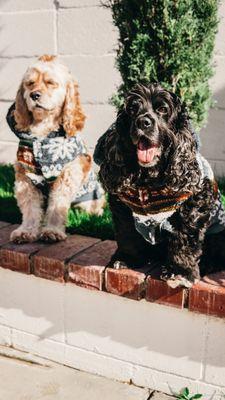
(167, 41)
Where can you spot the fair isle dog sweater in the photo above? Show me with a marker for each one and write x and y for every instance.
(43, 159)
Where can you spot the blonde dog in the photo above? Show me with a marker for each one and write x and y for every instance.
(53, 168)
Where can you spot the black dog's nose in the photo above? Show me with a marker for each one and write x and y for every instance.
(35, 95)
(144, 122)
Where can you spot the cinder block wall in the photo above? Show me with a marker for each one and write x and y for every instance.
(82, 34)
(213, 136)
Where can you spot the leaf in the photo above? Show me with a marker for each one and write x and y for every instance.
(185, 392)
(196, 396)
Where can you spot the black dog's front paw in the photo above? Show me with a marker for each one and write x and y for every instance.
(175, 280)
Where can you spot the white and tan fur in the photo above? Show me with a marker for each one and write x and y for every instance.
(59, 103)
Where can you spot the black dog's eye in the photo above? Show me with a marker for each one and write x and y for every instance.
(133, 106)
(162, 110)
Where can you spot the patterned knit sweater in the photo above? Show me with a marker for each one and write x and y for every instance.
(43, 159)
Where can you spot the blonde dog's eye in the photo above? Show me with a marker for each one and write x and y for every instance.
(50, 82)
(30, 83)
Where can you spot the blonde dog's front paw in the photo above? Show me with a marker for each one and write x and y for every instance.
(52, 234)
(23, 235)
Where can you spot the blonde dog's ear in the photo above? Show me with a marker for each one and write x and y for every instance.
(23, 116)
(73, 116)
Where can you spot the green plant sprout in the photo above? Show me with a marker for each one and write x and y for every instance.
(186, 395)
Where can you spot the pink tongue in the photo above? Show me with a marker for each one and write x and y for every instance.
(146, 156)
(145, 151)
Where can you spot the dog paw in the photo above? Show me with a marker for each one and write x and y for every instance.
(22, 235)
(51, 235)
(179, 281)
(119, 265)
(176, 280)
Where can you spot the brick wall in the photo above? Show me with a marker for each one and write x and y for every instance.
(82, 34)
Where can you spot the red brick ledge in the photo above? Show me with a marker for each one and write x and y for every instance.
(82, 261)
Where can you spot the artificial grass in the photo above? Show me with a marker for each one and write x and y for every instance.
(78, 221)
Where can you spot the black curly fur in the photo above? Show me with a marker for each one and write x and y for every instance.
(177, 169)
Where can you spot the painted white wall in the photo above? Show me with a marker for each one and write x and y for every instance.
(155, 346)
(82, 34)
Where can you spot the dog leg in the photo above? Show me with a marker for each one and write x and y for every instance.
(30, 202)
(132, 250)
(60, 199)
(186, 244)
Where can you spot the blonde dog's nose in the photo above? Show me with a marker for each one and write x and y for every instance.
(35, 95)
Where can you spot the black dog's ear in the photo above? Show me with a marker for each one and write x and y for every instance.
(181, 114)
(122, 122)
(183, 119)
(182, 171)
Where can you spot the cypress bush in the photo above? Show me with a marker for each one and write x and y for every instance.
(167, 41)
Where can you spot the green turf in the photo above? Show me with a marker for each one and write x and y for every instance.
(78, 221)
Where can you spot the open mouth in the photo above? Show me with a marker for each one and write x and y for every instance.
(39, 106)
(146, 151)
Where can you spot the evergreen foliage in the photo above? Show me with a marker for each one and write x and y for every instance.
(167, 41)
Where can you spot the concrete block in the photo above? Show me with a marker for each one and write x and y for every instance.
(220, 42)
(8, 152)
(24, 5)
(214, 362)
(98, 364)
(86, 31)
(50, 349)
(217, 82)
(173, 384)
(143, 333)
(212, 137)
(97, 77)
(5, 132)
(31, 305)
(79, 3)
(27, 34)
(12, 71)
(99, 119)
(218, 167)
(5, 336)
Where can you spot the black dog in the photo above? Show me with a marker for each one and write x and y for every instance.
(165, 203)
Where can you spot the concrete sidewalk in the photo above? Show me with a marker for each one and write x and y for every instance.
(26, 377)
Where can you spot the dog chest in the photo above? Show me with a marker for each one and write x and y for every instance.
(152, 227)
